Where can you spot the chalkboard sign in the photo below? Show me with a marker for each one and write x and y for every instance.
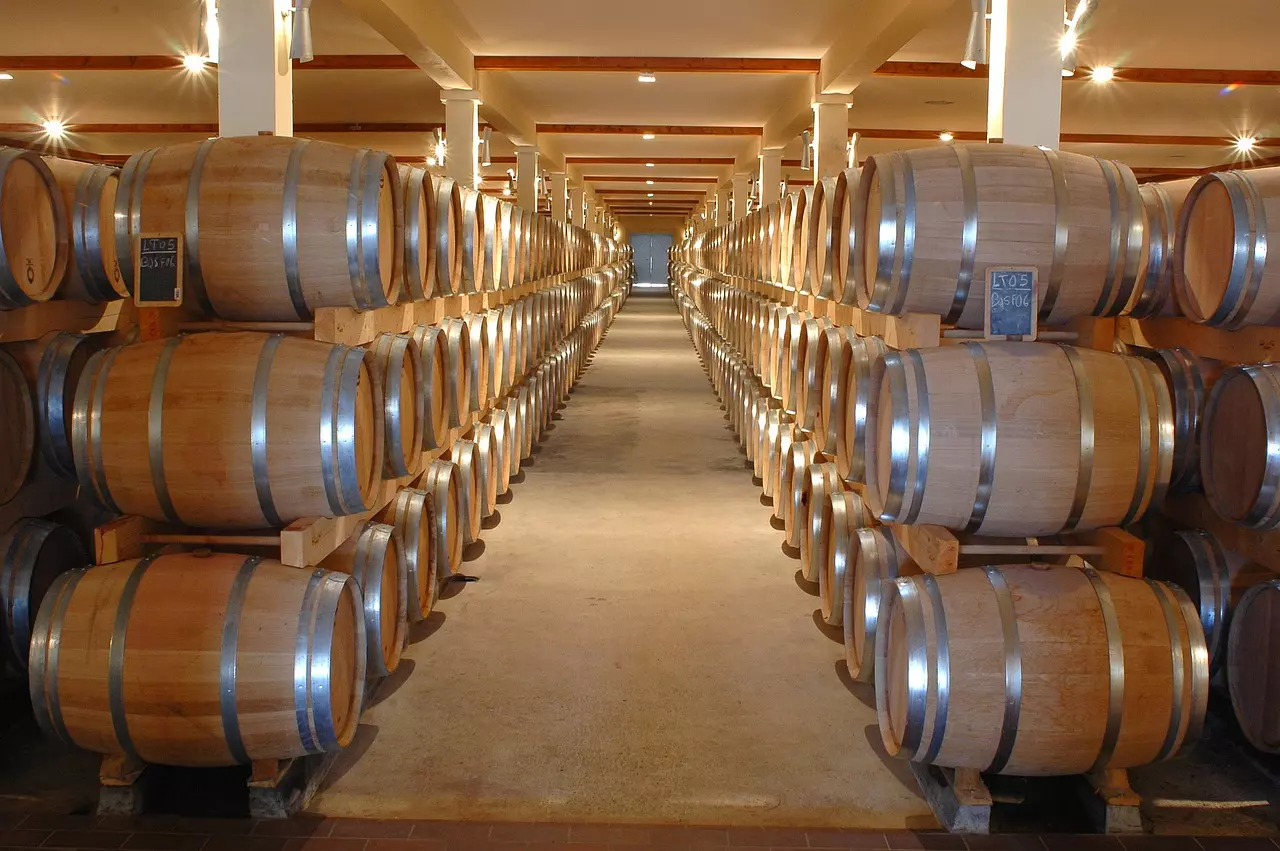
(1011, 302)
(157, 272)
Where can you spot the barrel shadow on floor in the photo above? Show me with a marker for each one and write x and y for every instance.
(864, 692)
(899, 768)
(364, 738)
(517, 479)
(424, 629)
(392, 683)
(473, 551)
(493, 521)
(834, 633)
(810, 588)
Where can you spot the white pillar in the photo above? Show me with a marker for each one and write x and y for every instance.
(461, 135)
(527, 177)
(830, 136)
(723, 194)
(741, 192)
(255, 74)
(575, 205)
(1024, 94)
(559, 196)
(770, 175)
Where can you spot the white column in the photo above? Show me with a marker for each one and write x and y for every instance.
(255, 74)
(575, 206)
(461, 135)
(830, 136)
(559, 196)
(527, 177)
(770, 175)
(723, 194)
(741, 191)
(1024, 94)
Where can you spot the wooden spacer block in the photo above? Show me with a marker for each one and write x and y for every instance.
(1122, 552)
(934, 548)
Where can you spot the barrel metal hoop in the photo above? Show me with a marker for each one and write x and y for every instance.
(51, 387)
(258, 430)
(350, 488)
(1108, 170)
(1207, 551)
(1084, 474)
(302, 707)
(1266, 508)
(195, 275)
(906, 233)
(1257, 261)
(920, 672)
(155, 431)
(11, 294)
(98, 477)
(375, 168)
(1012, 669)
(882, 298)
(968, 233)
(942, 671)
(1138, 502)
(1198, 661)
(1177, 668)
(987, 463)
(355, 269)
(25, 542)
(414, 272)
(115, 658)
(228, 660)
(320, 662)
(129, 210)
(394, 352)
(329, 429)
(874, 544)
(289, 230)
(1137, 229)
(920, 435)
(46, 649)
(1115, 666)
(86, 241)
(1061, 234)
(1155, 293)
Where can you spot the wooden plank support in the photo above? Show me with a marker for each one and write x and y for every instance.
(958, 797)
(938, 550)
(36, 320)
(1252, 344)
(1192, 511)
(935, 549)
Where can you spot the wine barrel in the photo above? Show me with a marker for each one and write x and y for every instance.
(829, 417)
(467, 457)
(779, 464)
(1154, 293)
(1086, 432)
(433, 349)
(272, 660)
(1079, 220)
(488, 459)
(1214, 578)
(1239, 468)
(494, 244)
(872, 558)
(790, 221)
(777, 421)
(419, 233)
(273, 227)
(374, 557)
(1190, 379)
(33, 553)
(804, 221)
(17, 429)
(774, 218)
(513, 253)
(1253, 665)
(478, 365)
(89, 201)
(1131, 690)
(234, 430)
(808, 382)
(527, 407)
(1220, 275)
(851, 434)
(846, 245)
(444, 481)
(822, 480)
(504, 441)
(513, 414)
(449, 237)
(34, 242)
(398, 366)
(795, 472)
(822, 222)
(473, 239)
(838, 519)
(52, 366)
(457, 369)
(496, 365)
(413, 515)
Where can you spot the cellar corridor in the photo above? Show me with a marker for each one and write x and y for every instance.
(636, 648)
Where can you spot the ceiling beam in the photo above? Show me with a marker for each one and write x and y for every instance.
(619, 178)
(640, 64)
(656, 129)
(208, 129)
(792, 117)
(419, 30)
(696, 193)
(1184, 76)
(654, 160)
(173, 62)
(879, 30)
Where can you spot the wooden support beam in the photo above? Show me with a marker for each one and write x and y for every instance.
(1183, 76)
(697, 193)
(654, 160)
(173, 62)
(620, 178)
(879, 30)
(656, 129)
(640, 64)
(420, 29)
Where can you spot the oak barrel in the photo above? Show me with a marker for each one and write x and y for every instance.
(488, 459)
(791, 489)
(846, 237)
(399, 369)
(419, 233)
(17, 429)
(33, 553)
(89, 201)
(413, 514)
(52, 366)
(34, 242)
(479, 366)
(1154, 293)
(1033, 670)
(234, 430)
(464, 454)
(872, 558)
(444, 481)
(935, 219)
(1239, 461)
(1253, 665)
(1190, 379)
(457, 372)
(433, 348)
(1221, 271)
(473, 240)
(273, 227)
(374, 557)
(821, 481)
(449, 237)
(1087, 433)
(272, 660)
(838, 519)
(851, 426)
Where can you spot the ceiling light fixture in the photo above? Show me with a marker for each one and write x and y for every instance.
(1246, 144)
(1070, 39)
(648, 77)
(648, 165)
(5, 75)
(648, 137)
(1102, 74)
(193, 62)
(54, 128)
(300, 45)
(207, 36)
(650, 194)
(441, 148)
(946, 136)
(975, 46)
(649, 182)
(806, 152)
(486, 145)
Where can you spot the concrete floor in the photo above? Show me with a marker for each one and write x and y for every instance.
(637, 648)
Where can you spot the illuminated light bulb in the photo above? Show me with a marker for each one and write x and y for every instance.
(5, 75)
(945, 136)
(648, 78)
(431, 161)
(648, 137)
(650, 194)
(1246, 144)
(648, 165)
(649, 182)
(970, 64)
(54, 128)
(193, 62)
(1103, 74)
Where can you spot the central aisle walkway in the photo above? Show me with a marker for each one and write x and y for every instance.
(636, 649)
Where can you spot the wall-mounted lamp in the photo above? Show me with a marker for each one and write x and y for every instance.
(806, 152)
(486, 143)
(207, 36)
(975, 46)
(300, 46)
